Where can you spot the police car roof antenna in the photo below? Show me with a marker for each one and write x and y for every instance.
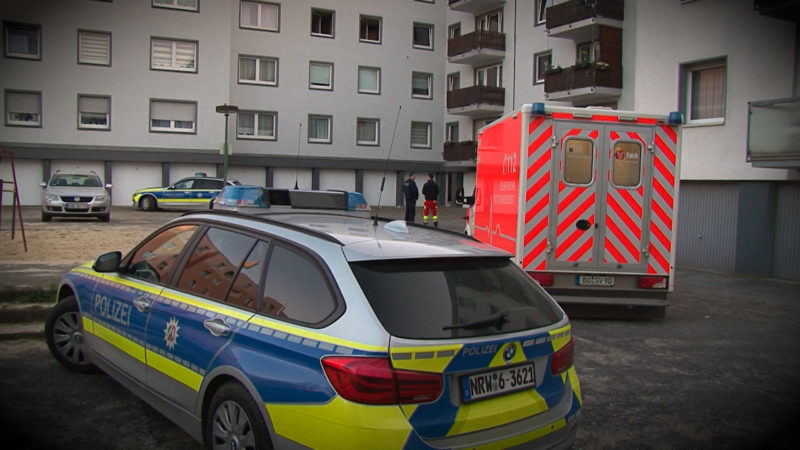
(385, 166)
(297, 160)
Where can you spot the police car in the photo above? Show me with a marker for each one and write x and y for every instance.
(320, 329)
(190, 192)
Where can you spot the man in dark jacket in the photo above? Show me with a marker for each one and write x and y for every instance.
(431, 192)
(411, 194)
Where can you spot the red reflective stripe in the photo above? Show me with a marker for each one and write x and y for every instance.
(594, 134)
(536, 208)
(538, 164)
(622, 237)
(614, 135)
(542, 246)
(538, 228)
(546, 134)
(662, 215)
(662, 262)
(579, 211)
(558, 115)
(671, 133)
(581, 250)
(660, 236)
(632, 202)
(602, 118)
(632, 226)
(566, 201)
(662, 191)
(647, 120)
(635, 136)
(666, 149)
(543, 181)
(534, 124)
(662, 169)
(611, 249)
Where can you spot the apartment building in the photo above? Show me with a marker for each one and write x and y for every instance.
(345, 94)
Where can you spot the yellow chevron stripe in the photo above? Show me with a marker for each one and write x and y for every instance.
(126, 345)
(497, 411)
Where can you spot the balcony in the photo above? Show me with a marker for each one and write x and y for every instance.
(576, 19)
(476, 101)
(474, 6)
(584, 84)
(459, 151)
(778, 9)
(479, 48)
(772, 133)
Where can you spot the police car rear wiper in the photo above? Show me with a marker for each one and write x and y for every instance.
(497, 320)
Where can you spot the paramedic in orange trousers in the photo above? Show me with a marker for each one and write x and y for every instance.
(431, 192)
(411, 195)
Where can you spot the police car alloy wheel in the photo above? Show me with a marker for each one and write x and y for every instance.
(234, 421)
(64, 335)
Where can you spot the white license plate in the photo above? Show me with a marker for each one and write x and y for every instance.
(77, 206)
(497, 382)
(594, 280)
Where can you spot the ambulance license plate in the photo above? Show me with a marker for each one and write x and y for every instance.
(594, 280)
(497, 382)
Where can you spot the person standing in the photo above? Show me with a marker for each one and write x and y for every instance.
(430, 190)
(411, 194)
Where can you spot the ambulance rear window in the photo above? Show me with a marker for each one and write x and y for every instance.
(448, 298)
(627, 164)
(578, 161)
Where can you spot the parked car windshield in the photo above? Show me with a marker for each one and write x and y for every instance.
(448, 298)
(76, 180)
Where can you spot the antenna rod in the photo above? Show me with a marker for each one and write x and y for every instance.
(386, 165)
(297, 160)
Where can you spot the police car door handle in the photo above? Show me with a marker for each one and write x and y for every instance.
(141, 304)
(217, 327)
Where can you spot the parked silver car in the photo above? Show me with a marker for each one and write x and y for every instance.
(76, 194)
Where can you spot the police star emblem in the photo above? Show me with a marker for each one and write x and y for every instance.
(171, 333)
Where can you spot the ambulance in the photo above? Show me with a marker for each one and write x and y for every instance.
(586, 200)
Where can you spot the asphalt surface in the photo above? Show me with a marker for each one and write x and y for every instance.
(719, 371)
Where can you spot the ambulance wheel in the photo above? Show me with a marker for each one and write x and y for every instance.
(63, 331)
(147, 203)
(234, 420)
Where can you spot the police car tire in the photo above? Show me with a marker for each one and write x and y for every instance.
(147, 203)
(230, 400)
(63, 332)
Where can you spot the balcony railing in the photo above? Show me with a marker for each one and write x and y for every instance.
(474, 6)
(476, 95)
(582, 76)
(576, 10)
(460, 151)
(476, 41)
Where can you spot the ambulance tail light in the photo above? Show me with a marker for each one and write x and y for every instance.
(653, 282)
(544, 279)
(563, 358)
(374, 381)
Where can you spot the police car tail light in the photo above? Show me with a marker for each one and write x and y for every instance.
(374, 381)
(563, 358)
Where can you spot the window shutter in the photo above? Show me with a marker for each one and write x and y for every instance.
(419, 134)
(161, 53)
(247, 69)
(368, 80)
(269, 17)
(95, 48)
(320, 75)
(265, 124)
(93, 104)
(420, 84)
(267, 69)
(165, 110)
(23, 102)
(185, 53)
(367, 131)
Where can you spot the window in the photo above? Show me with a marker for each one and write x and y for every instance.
(704, 86)
(94, 48)
(24, 108)
(453, 81)
(587, 52)
(309, 301)
(627, 164)
(367, 131)
(541, 62)
(451, 132)
(321, 22)
(22, 40)
(540, 10)
(256, 125)
(259, 15)
(369, 80)
(492, 21)
(423, 36)
(155, 260)
(454, 31)
(214, 263)
(173, 116)
(320, 75)
(370, 29)
(421, 134)
(258, 70)
(578, 161)
(189, 5)
(489, 76)
(168, 54)
(244, 291)
(319, 129)
(94, 112)
(421, 85)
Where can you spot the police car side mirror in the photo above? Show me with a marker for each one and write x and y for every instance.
(107, 262)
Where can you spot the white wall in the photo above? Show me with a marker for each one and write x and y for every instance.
(372, 187)
(286, 178)
(178, 171)
(248, 175)
(128, 177)
(337, 179)
(28, 174)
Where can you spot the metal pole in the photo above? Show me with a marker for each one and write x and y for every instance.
(225, 154)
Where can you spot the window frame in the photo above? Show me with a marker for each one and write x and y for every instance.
(429, 129)
(483, 22)
(8, 26)
(454, 30)
(22, 123)
(377, 90)
(539, 13)
(256, 119)
(321, 87)
(538, 73)
(107, 34)
(173, 54)
(176, 6)
(453, 81)
(430, 29)
(567, 162)
(329, 14)
(687, 74)
(258, 59)
(361, 36)
(260, 5)
(377, 128)
(429, 82)
(92, 127)
(485, 70)
(172, 128)
(329, 129)
(452, 131)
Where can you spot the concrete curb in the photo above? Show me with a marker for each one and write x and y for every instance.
(23, 320)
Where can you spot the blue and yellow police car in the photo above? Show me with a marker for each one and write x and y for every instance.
(190, 192)
(302, 327)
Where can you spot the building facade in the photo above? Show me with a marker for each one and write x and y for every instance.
(344, 95)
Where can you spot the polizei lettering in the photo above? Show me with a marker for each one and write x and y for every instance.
(113, 310)
(479, 350)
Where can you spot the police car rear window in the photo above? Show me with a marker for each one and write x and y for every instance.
(449, 298)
